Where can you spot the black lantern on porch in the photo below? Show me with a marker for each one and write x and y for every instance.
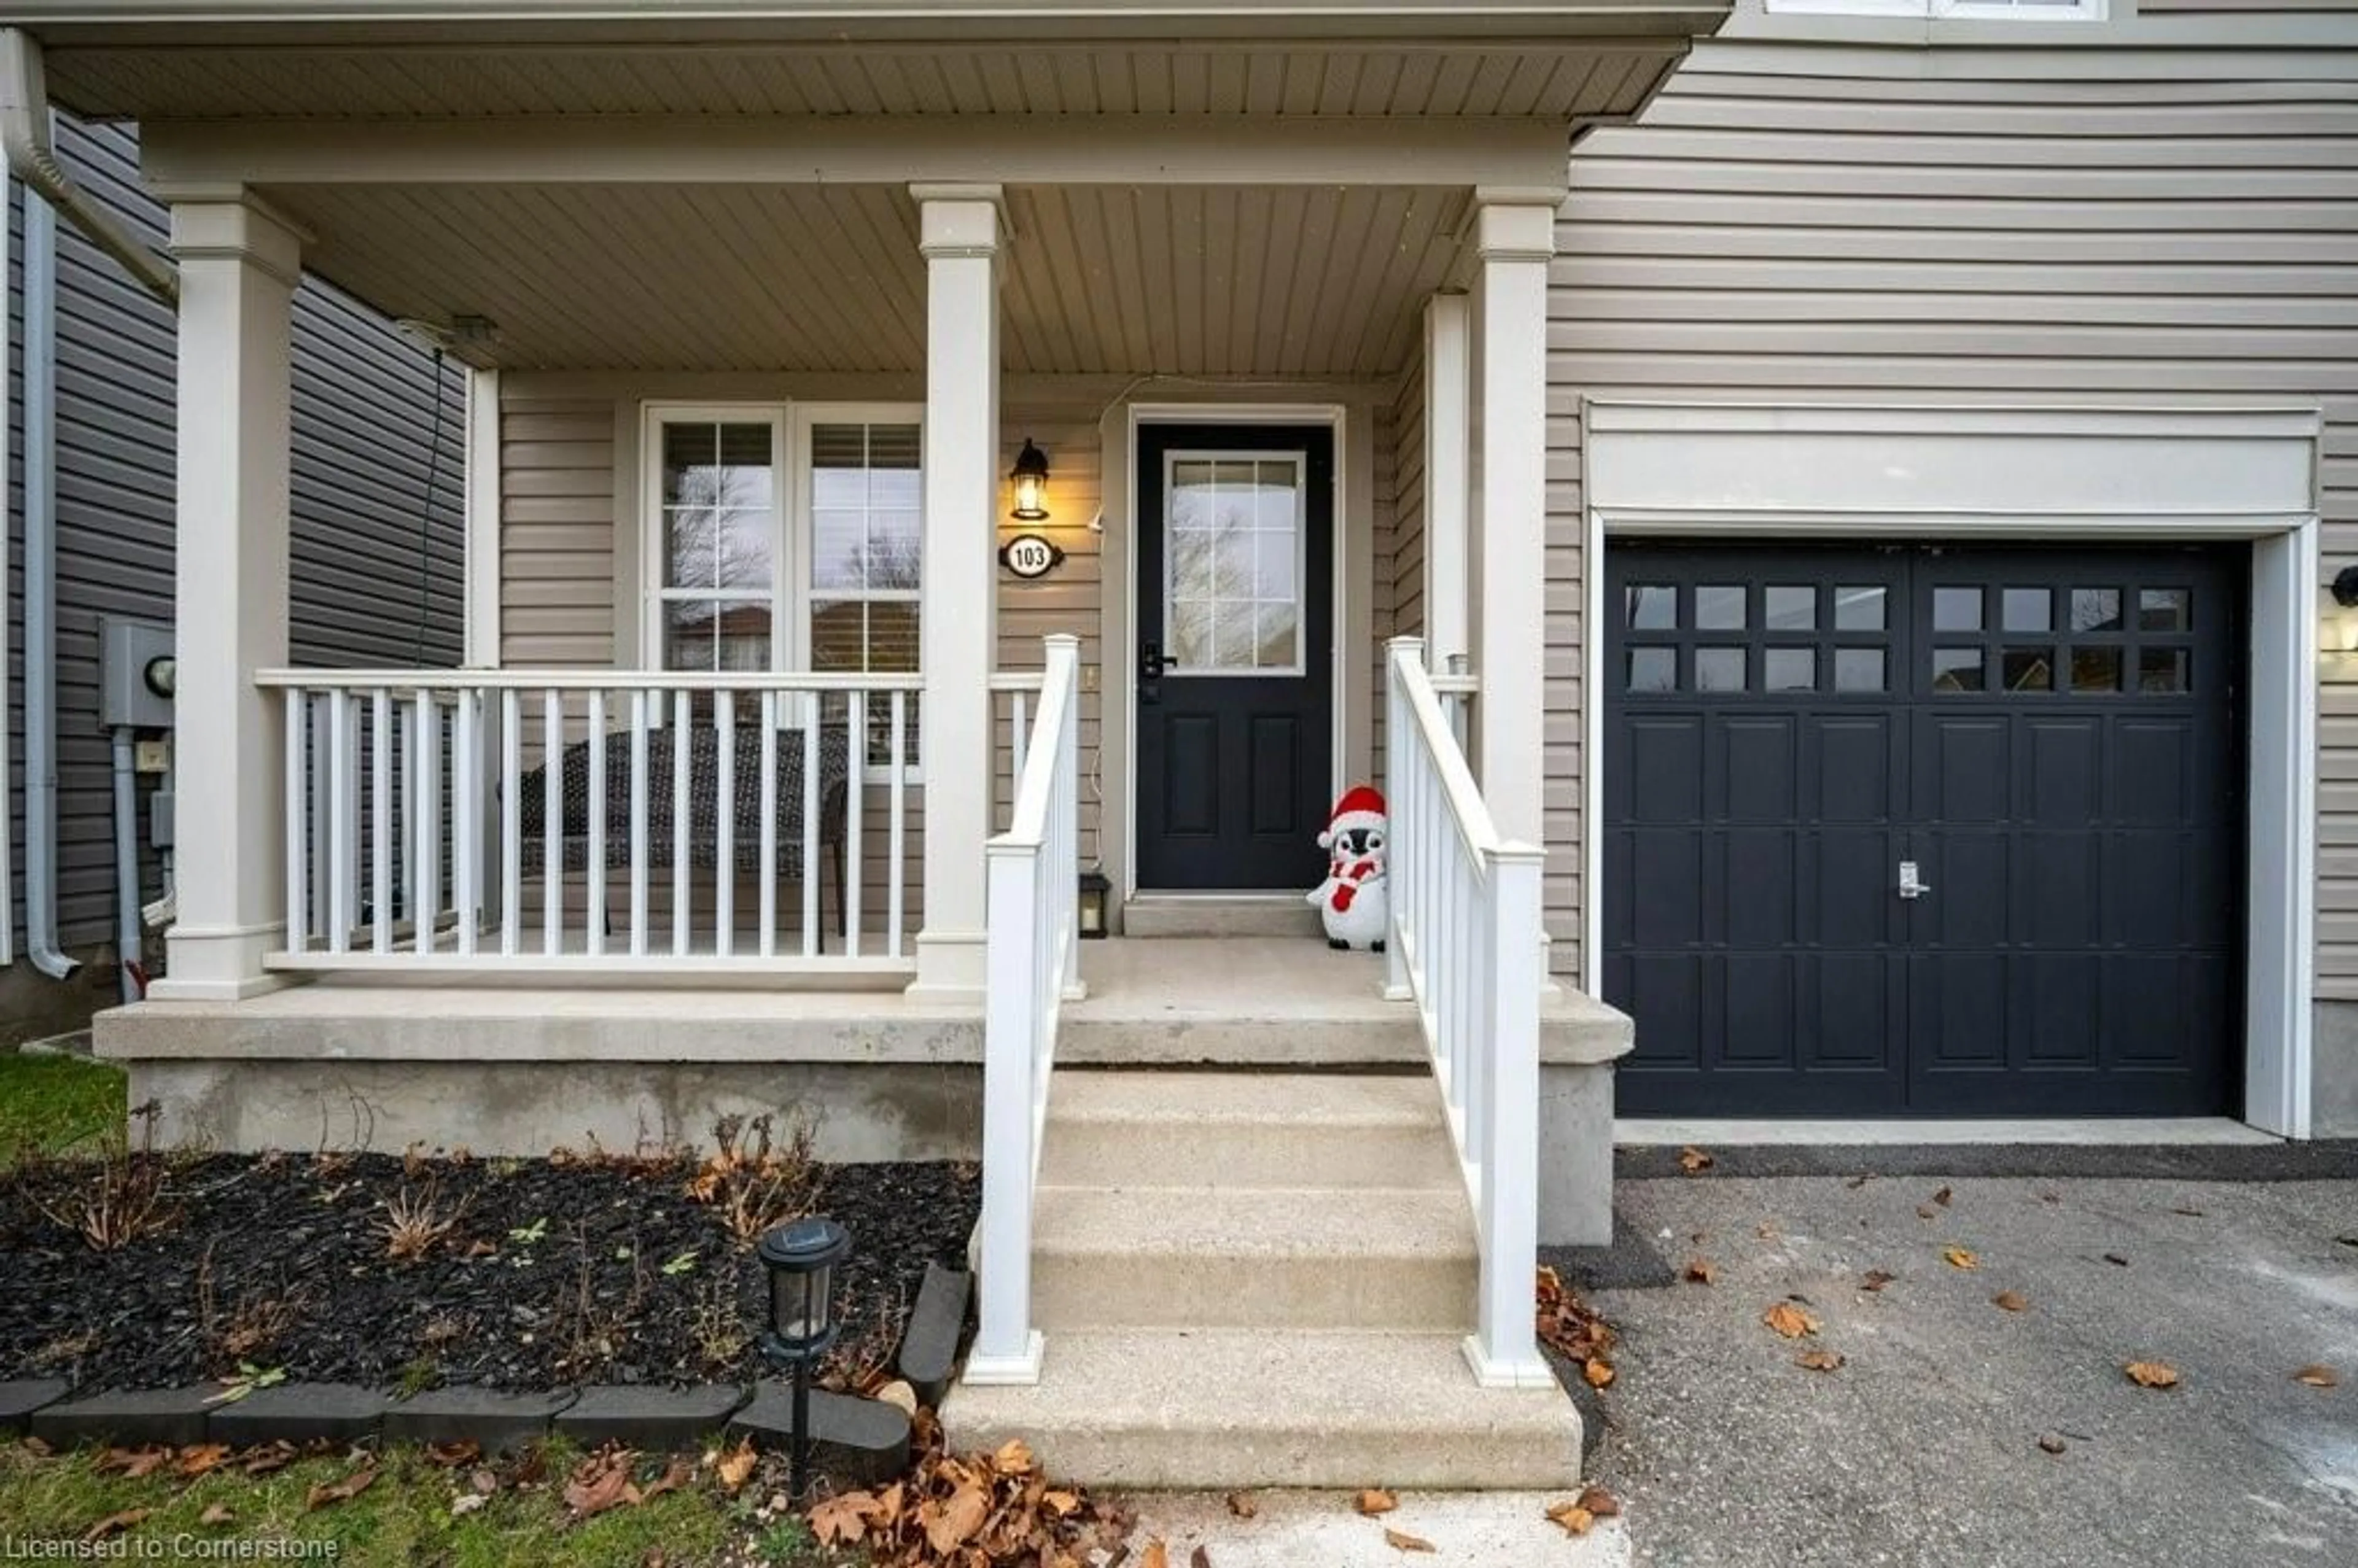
(1094, 889)
(1031, 478)
(801, 1259)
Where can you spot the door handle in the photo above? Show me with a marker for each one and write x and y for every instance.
(1152, 664)
(1911, 883)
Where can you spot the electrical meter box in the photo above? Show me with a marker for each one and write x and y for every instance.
(135, 674)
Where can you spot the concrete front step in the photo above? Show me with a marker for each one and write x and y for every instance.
(1219, 1409)
(1159, 1256)
(1245, 1130)
(1185, 915)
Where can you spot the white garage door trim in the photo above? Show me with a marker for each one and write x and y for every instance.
(2127, 475)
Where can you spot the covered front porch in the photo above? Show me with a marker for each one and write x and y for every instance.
(800, 699)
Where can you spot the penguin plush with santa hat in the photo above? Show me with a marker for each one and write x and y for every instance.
(1352, 900)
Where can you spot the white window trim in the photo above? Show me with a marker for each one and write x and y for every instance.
(1942, 10)
(791, 523)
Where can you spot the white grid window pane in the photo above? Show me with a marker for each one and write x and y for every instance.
(1233, 551)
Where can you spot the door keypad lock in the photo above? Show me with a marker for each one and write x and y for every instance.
(1911, 882)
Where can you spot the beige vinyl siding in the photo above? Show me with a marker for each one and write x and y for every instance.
(1408, 492)
(1383, 596)
(557, 533)
(1795, 236)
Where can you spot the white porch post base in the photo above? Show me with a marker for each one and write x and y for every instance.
(220, 965)
(239, 267)
(952, 965)
(957, 628)
(1007, 1371)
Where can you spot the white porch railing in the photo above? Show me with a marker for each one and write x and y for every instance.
(615, 821)
(1466, 947)
(1034, 964)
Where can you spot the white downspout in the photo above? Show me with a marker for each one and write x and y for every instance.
(40, 592)
(7, 798)
(24, 133)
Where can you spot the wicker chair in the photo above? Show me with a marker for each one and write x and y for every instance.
(703, 804)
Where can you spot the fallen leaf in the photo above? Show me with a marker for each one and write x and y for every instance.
(483, 1482)
(203, 1458)
(1401, 1541)
(1597, 1372)
(464, 1503)
(116, 1524)
(1858, 1181)
(1819, 1360)
(1574, 1518)
(1375, 1500)
(1154, 1556)
(1014, 1458)
(1600, 1501)
(136, 1463)
(1790, 1320)
(268, 1459)
(1876, 1279)
(2051, 1442)
(842, 1521)
(2010, 1300)
(342, 1491)
(1942, 1197)
(1959, 1259)
(1691, 1160)
(1926, 1211)
(479, 1248)
(1243, 1505)
(2189, 1212)
(35, 1447)
(2318, 1377)
(600, 1482)
(957, 1521)
(2117, 1260)
(1700, 1272)
(736, 1467)
(1062, 1504)
(1199, 1558)
(1766, 1232)
(2152, 1374)
(216, 1514)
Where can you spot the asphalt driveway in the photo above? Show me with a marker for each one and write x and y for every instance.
(1924, 1446)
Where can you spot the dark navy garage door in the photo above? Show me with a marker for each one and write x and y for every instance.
(1917, 831)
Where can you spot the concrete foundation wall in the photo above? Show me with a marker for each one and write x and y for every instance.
(858, 1112)
(2333, 1103)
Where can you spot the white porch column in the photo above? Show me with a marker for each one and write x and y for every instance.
(1448, 480)
(958, 628)
(239, 265)
(1515, 239)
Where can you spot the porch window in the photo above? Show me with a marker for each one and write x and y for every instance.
(783, 538)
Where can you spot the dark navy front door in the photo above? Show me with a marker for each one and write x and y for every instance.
(1924, 831)
(1234, 663)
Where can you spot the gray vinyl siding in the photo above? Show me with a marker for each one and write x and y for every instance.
(377, 566)
(1954, 237)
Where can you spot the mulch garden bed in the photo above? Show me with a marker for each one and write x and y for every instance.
(520, 1273)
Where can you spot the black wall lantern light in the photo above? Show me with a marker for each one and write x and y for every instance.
(802, 1259)
(1031, 477)
(2345, 588)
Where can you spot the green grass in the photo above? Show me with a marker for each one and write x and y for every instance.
(53, 1103)
(402, 1518)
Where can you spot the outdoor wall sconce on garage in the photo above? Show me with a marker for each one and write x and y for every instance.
(1031, 477)
(2338, 628)
(802, 1259)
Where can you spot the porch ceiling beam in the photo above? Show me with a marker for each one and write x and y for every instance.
(192, 159)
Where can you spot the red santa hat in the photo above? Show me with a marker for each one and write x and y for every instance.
(1361, 807)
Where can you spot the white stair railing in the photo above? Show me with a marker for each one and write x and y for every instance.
(1466, 947)
(1033, 923)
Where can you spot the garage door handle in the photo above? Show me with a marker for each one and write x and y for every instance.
(1911, 884)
